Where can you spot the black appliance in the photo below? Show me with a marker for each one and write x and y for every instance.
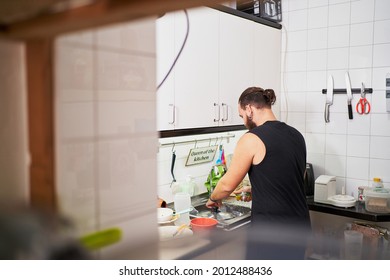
(309, 180)
(268, 9)
(248, 6)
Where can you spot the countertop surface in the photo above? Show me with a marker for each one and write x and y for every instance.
(357, 212)
(193, 246)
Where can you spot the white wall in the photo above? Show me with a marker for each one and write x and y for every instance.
(322, 38)
(106, 139)
(14, 178)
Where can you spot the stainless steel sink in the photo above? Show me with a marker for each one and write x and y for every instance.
(229, 216)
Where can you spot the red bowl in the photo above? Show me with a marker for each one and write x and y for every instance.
(199, 224)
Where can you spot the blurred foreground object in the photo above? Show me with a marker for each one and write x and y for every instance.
(103, 238)
(27, 234)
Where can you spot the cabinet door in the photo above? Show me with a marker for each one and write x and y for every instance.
(236, 64)
(267, 70)
(196, 72)
(165, 55)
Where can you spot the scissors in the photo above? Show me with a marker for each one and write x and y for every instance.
(363, 106)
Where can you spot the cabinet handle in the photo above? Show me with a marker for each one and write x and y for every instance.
(173, 114)
(219, 113)
(224, 105)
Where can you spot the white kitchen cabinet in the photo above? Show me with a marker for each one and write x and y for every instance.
(165, 54)
(196, 75)
(224, 55)
(186, 98)
(267, 57)
(236, 64)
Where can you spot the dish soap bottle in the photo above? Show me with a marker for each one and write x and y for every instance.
(189, 185)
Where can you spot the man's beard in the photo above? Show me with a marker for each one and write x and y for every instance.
(250, 124)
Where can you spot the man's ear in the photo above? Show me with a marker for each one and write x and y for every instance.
(248, 110)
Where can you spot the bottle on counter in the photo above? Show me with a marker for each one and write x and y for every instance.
(182, 205)
(377, 182)
(189, 185)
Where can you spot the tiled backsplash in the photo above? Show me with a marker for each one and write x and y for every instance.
(200, 171)
(322, 38)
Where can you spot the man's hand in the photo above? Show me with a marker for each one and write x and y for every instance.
(244, 189)
(211, 204)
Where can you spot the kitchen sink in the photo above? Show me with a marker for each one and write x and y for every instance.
(229, 215)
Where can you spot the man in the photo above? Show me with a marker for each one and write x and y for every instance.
(274, 156)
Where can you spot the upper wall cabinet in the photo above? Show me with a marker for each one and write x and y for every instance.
(236, 62)
(196, 72)
(224, 55)
(267, 57)
(165, 55)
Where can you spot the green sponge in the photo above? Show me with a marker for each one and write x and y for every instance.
(100, 239)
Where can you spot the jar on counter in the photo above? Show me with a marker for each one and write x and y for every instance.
(377, 182)
(377, 200)
(361, 195)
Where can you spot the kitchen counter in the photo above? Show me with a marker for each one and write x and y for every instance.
(217, 245)
(357, 212)
(222, 244)
(181, 248)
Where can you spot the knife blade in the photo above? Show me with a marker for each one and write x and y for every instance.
(349, 95)
(329, 97)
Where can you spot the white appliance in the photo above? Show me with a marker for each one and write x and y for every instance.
(324, 187)
(325, 192)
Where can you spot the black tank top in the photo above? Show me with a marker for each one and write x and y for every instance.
(277, 182)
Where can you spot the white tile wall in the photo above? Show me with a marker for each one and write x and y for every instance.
(341, 35)
(317, 3)
(181, 171)
(298, 4)
(297, 20)
(362, 11)
(336, 144)
(381, 9)
(358, 146)
(316, 80)
(318, 17)
(381, 56)
(297, 41)
(314, 102)
(338, 58)
(106, 132)
(316, 60)
(382, 32)
(361, 34)
(338, 36)
(317, 38)
(296, 61)
(339, 14)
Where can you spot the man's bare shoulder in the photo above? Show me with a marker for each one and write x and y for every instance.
(249, 138)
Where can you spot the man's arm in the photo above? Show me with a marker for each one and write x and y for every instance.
(246, 149)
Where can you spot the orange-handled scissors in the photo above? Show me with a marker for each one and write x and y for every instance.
(363, 106)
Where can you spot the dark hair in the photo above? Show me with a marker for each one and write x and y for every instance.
(257, 97)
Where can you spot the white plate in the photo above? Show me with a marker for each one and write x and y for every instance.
(166, 233)
(174, 218)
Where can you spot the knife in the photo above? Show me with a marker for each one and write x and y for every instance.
(349, 95)
(329, 97)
